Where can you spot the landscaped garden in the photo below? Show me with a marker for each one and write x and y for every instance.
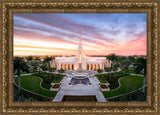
(131, 71)
(30, 71)
(122, 82)
(32, 83)
(103, 86)
(128, 84)
(56, 85)
(112, 78)
(27, 96)
(49, 78)
(137, 95)
(101, 78)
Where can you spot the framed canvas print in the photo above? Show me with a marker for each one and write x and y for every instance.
(79, 57)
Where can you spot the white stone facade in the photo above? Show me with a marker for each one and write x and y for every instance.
(80, 61)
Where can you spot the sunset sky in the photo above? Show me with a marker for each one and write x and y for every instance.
(58, 34)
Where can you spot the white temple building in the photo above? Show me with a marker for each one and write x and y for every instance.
(80, 61)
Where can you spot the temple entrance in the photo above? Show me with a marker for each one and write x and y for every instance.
(94, 67)
(62, 66)
(98, 66)
(87, 66)
(69, 67)
(72, 66)
(91, 66)
(65, 67)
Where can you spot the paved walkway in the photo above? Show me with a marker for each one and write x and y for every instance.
(79, 90)
(25, 74)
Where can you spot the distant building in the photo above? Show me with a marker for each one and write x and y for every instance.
(80, 61)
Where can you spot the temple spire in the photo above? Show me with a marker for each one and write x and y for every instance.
(80, 48)
(80, 37)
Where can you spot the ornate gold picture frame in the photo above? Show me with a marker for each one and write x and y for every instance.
(9, 7)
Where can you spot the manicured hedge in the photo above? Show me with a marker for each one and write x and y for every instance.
(49, 78)
(103, 86)
(56, 86)
(102, 78)
(112, 78)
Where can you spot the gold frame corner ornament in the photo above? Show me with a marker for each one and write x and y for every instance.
(9, 8)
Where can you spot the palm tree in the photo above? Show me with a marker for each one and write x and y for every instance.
(140, 65)
(38, 61)
(115, 67)
(37, 58)
(35, 65)
(20, 65)
(112, 57)
(125, 63)
(131, 58)
(109, 69)
(99, 70)
(47, 60)
(29, 58)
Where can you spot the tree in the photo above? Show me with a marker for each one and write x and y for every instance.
(112, 57)
(99, 70)
(107, 69)
(37, 58)
(47, 60)
(125, 64)
(20, 65)
(131, 58)
(115, 67)
(34, 65)
(121, 58)
(52, 69)
(44, 67)
(140, 65)
(29, 58)
(61, 71)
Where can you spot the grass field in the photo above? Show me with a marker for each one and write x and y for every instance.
(23, 73)
(131, 71)
(32, 84)
(24, 96)
(128, 84)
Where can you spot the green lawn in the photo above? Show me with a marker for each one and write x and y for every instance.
(32, 84)
(30, 71)
(25, 96)
(23, 73)
(128, 84)
(131, 71)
